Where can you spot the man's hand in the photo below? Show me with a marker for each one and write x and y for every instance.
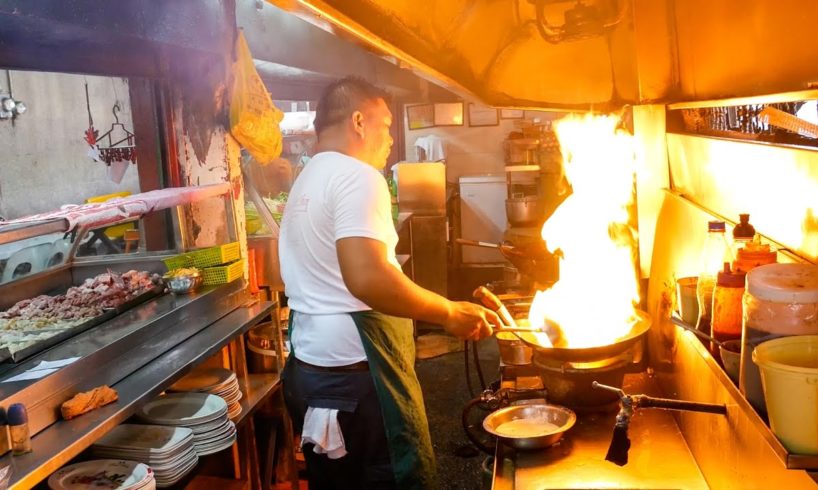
(372, 279)
(470, 321)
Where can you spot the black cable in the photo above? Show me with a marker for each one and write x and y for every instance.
(468, 371)
(471, 429)
(477, 366)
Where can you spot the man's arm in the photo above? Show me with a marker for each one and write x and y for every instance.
(372, 279)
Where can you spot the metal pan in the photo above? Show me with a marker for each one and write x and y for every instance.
(561, 417)
(22, 354)
(591, 354)
(26, 352)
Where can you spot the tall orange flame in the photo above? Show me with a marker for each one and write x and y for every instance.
(594, 299)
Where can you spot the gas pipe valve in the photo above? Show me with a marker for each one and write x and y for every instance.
(620, 443)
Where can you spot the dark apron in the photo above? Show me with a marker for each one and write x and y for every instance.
(390, 349)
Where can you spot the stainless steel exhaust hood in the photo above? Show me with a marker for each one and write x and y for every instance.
(586, 54)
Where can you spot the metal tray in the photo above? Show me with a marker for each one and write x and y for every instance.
(22, 354)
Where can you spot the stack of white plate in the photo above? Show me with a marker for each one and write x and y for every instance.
(204, 414)
(167, 450)
(216, 381)
(110, 474)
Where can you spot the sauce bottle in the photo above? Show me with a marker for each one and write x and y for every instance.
(715, 254)
(18, 429)
(726, 318)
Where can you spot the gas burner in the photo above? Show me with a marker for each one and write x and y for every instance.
(570, 383)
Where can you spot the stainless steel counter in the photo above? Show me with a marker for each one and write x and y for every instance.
(658, 458)
(115, 349)
(62, 441)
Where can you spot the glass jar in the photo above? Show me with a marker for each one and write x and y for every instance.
(781, 300)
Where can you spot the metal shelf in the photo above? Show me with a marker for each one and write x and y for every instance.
(14, 233)
(256, 389)
(64, 440)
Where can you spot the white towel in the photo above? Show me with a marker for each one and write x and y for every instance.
(321, 428)
(433, 148)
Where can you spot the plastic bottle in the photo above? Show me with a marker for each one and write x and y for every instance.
(393, 194)
(18, 429)
(753, 254)
(715, 254)
(726, 317)
(5, 444)
(743, 233)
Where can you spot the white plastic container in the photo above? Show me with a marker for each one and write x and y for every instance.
(780, 300)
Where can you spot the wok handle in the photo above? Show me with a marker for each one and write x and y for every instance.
(475, 243)
(493, 303)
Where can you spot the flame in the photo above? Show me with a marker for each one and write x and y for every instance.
(593, 301)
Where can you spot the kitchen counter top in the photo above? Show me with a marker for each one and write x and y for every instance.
(62, 441)
(658, 458)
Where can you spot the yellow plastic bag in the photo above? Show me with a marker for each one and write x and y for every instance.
(253, 117)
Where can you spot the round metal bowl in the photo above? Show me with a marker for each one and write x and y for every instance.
(184, 284)
(513, 351)
(562, 417)
(262, 335)
(525, 211)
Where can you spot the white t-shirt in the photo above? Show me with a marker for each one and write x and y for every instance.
(335, 196)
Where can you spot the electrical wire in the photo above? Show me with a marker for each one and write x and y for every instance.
(478, 367)
(468, 371)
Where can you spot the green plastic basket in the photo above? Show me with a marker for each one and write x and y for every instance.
(223, 274)
(206, 257)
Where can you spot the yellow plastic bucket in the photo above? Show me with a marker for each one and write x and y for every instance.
(789, 376)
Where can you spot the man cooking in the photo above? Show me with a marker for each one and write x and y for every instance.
(350, 384)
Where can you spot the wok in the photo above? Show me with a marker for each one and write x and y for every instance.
(591, 354)
(532, 260)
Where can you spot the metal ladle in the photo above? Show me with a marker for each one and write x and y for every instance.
(690, 328)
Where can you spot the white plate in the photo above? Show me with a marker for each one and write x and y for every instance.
(163, 483)
(108, 474)
(162, 471)
(183, 409)
(151, 439)
(157, 463)
(230, 394)
(233, 398)
(203, 380)
(233, 384)
(148, 459)
(216, 435)
(200, 429)
(172, 473)
(204, 451)
(215, 442)
(222, 429)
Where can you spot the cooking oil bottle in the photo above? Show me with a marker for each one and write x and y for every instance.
(716, 255)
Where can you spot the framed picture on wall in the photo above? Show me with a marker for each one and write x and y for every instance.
(449, 114)
(480, 115)
(420, 116)
(511, 113)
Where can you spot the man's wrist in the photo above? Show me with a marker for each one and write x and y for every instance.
(447, 307)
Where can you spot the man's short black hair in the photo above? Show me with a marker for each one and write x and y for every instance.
(343, 97)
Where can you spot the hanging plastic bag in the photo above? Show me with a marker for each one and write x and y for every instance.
(253, 117)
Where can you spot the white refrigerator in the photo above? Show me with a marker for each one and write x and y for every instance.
(482, 216)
